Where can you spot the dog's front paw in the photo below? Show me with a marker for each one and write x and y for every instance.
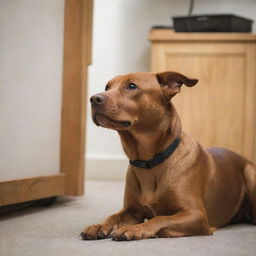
(132, 232)
(96, 232)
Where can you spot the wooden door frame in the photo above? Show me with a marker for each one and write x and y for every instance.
(76, 58)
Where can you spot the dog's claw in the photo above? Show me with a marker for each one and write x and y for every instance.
(86, 237)
(83, 235)
(112, 235)
(101, 235)
(123, 238)
(114, 238)
(119, 238)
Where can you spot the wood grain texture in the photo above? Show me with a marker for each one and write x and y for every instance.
(16, 191)
(169, 34)
(77, 55)
(250, 103)
(220, 109)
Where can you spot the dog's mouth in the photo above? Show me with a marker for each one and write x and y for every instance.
(104, 121)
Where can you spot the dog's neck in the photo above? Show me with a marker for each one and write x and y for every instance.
(145, 144)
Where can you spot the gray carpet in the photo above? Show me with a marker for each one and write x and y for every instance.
(55, 231)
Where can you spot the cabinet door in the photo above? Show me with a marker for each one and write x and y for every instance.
(218, 111)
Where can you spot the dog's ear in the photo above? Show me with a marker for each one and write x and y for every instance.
(172, 81)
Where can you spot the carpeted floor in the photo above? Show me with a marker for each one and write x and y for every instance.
(55, 231)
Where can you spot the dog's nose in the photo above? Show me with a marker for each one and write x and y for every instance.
(97, 99)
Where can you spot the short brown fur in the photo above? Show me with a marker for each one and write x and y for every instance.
(194, 191)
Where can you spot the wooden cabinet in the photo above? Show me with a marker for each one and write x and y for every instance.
(68, 179)
(220, 110)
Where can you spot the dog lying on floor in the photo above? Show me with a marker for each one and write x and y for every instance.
(179, 187)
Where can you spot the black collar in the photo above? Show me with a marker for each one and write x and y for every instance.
(158, 158)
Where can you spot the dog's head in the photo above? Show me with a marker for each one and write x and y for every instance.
(137, 100)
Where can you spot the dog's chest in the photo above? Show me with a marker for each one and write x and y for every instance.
(146, 204)
(152, 204)
(148, 186)
(151, 200)
(149, 197)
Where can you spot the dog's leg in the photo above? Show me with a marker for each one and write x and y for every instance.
(250, 182)
(115, 221)
(185, 223)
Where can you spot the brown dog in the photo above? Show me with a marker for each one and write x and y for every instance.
(179, 187)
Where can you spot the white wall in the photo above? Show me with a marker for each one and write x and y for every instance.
(31, 49)
(120, 45)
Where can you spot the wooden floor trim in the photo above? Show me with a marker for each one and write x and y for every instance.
(21, 190)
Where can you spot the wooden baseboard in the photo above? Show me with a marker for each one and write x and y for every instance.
(16, 191)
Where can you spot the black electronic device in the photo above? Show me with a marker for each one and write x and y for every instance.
(212, 23)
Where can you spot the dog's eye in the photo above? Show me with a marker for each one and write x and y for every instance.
(107, 87)
(132, 86)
